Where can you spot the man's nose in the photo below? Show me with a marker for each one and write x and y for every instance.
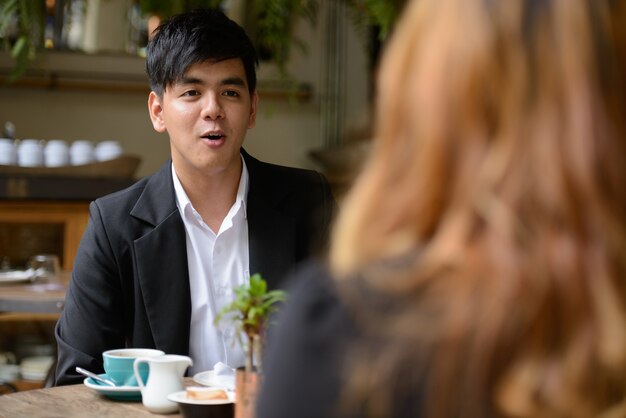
(212, 107)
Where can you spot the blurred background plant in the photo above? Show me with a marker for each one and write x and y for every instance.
(21, 29)
(270, 23)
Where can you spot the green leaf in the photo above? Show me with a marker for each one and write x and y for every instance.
(20, 48)
(250, 309)
(6, 14)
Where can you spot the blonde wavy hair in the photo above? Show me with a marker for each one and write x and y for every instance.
(492, 210)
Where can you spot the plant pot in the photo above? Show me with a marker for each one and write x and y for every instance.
(247, 386)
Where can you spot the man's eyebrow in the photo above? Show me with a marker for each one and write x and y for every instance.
(189, 80)
(233, 81)
(228, 81)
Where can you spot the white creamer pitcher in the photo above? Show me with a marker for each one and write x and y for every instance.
(165, 377)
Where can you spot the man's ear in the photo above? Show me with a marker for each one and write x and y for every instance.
(254, 100)
(155, 108)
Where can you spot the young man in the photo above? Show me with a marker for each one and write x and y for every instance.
(159, 259)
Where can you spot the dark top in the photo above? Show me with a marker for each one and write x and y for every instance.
(130, 281)
(304, 351)
(307, 350)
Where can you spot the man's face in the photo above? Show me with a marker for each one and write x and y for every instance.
(206, 114)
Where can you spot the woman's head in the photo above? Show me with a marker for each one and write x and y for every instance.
(488, 105)
(500, 160)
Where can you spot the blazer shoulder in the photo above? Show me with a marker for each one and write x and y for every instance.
(280, 175)
(150, 198)
(122, 199)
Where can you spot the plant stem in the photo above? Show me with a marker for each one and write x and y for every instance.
(258, 350)
(250, 354)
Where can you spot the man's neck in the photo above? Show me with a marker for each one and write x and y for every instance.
(213, 195)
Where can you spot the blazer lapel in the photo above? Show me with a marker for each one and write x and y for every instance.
(271, 235)
(161, 264)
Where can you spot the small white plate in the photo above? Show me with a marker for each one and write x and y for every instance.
(121, 393)
(181, 397)
(17, 276)
(209, 378)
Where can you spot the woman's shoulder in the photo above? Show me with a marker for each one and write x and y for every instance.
(312, 295)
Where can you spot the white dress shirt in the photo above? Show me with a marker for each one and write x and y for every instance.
(217, 264)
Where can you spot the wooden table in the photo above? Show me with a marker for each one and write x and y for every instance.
(72, 401)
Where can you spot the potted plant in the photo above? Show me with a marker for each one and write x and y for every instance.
(250, 312)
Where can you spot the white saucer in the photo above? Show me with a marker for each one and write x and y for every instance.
(16, 276)
(122, 393)
(209, 378)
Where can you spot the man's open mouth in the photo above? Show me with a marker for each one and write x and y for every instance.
(213, 137)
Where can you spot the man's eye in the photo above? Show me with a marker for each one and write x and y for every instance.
(191, 93)
(231, 93)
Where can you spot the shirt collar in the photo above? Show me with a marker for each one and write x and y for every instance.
(183, 202)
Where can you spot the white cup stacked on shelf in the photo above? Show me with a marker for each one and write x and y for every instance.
(8, 152)
(30, 153)
(56, 153)
(82, 152)
(108, 150)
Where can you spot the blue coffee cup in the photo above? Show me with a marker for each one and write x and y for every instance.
(118, 364)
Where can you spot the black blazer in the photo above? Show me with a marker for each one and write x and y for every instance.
(130, 281)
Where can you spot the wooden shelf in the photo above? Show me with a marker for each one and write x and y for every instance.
(63, 70)
(60, 70)
(73, 216)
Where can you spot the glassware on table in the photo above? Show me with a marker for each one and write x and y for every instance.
(45, 266)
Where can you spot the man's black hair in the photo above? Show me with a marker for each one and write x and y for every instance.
(194, 37)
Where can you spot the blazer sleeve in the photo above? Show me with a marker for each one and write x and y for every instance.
(92, 318)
